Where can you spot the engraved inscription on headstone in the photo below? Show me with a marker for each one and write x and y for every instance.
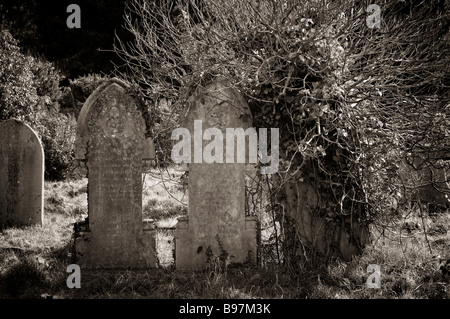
(111, 142)
(216, 223)
(21, 175)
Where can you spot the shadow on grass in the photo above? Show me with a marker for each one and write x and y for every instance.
(33, 274)
(24, 280)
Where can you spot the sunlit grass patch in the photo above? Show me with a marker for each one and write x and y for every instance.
(165, 246)
(163, 196)
(68, 197)
(55, 233)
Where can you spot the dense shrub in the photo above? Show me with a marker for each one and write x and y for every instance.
(78, 91)
(57, 134)
(30, 92)
(18, 93)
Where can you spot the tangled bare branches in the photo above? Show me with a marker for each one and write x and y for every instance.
(350, 101)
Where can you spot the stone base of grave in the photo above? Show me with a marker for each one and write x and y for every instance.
(193, 252)
(90, 253)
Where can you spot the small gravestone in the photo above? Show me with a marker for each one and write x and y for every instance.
(216, 228)
(426, 179)
(112, 146)
(21, 175)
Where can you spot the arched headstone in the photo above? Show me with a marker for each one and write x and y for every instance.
(21, 175)
(216, 225)
(111, 142)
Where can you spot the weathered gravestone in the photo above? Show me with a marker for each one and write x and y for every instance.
(346, 235)
(112, 145)
(216, 227)
(21, 175)
(426, 179)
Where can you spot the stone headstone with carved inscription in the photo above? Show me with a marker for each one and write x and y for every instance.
(21, 175)
(111, 144)
(216, 227)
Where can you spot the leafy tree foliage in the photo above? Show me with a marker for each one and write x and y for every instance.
(78, 91)
(17, 93)
(29, 91)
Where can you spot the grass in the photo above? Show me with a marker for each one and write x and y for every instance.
(33, 260)
(164, 199)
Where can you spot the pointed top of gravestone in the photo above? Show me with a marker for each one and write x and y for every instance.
(220, 104)
(107, 95)
(111, 84)
(109, 87)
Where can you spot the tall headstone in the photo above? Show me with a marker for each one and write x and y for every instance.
(21, 175)
(216, 226)
(111, 144)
